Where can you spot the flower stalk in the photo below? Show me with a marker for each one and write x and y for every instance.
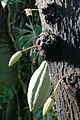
(15, 57)
(55, 89)
(34, 46)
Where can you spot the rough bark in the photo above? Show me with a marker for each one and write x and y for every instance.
(60, 19)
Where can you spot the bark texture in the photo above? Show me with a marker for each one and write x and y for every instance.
(60, 40)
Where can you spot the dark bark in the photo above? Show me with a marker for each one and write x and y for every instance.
(60, 41)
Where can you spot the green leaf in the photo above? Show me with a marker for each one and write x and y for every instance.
(26, 41)
(6, 94)
(24, 31)
(29, 26)
(40, 58)
(28, 44)
(37, 29)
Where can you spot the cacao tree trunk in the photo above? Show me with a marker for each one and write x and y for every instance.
(61, 18)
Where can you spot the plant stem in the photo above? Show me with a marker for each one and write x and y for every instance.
(59, 81)
(34, 9)
(55, 89)
(24, 50)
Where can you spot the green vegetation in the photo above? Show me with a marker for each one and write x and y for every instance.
(14, 80)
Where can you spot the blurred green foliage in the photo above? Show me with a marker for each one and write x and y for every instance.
(24, 29)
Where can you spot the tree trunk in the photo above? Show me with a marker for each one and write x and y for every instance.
(60, 38)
